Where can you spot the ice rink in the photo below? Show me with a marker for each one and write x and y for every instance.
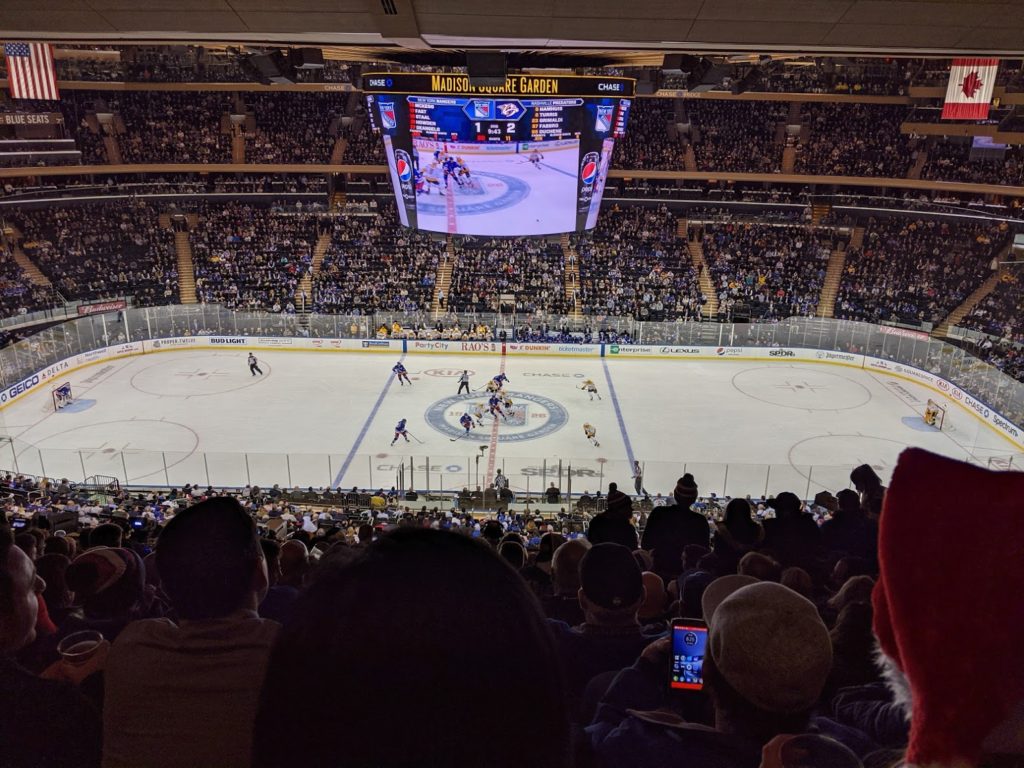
(319, 418)
(509, 195)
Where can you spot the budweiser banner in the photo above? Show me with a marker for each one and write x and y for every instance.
(102, 306)
(969, 92)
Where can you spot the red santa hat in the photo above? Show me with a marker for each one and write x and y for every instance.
(947, 606)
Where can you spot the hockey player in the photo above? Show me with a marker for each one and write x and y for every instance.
(467, 422)
(431, 178)
(403, 375)
(590, 388)
(591, 434)
(463, 383)
(254, 366)
(478, 413)
(493, 386)
(501, 379)
(535, 158)
(400, 431)
(494, 407)
(451, 169)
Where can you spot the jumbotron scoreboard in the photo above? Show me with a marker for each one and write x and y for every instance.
(459, 154)
(526, 108)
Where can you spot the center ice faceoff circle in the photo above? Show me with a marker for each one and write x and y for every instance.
(489, 192)
(530, 418)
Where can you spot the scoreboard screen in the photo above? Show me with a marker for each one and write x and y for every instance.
(527, 158)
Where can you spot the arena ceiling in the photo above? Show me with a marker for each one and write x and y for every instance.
(726, 26)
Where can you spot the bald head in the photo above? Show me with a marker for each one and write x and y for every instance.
(565, 566)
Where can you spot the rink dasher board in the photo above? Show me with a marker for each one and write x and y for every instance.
(945, 389)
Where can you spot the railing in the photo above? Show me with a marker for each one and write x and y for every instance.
(453, 470)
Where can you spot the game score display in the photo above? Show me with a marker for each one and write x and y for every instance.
(538, 147)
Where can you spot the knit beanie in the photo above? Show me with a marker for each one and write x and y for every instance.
(685, 492)
(619, 504)
(947, 604)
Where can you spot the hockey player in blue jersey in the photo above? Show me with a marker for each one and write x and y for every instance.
(467, 422)
(400, 431)
(403, 375)
(501, 379)
(494, 406)
(451, 168)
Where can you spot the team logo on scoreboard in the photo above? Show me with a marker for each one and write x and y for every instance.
(387, 115)
(510, 110)
(589, 167)
(481, 110)
(403, 165)
(605, 113)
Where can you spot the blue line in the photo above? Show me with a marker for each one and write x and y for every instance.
(558, 170)
(618, 412)
(365, 429)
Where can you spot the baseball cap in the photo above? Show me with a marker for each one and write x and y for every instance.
(610, 576)
(767, 642)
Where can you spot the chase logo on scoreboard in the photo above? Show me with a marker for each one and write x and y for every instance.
(605, 113)
(387, 115)
(530, 418)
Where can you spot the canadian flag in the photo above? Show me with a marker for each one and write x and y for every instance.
(969, 92)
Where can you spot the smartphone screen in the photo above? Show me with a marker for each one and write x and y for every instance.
(689, 642)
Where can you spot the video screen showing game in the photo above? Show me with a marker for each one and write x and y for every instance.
(528, 158)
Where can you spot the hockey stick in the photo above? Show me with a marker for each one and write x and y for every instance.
(453, 439)
(410, 434)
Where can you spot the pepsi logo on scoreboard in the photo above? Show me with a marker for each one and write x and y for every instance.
(403, 165)
(589, 168)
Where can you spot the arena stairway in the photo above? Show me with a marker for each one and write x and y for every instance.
(833, 276)
(443, 279)
(32, 272)
(922, 159)
(338, 150)
(707, 286)
(572, 276)
(789, 159)
(237, 145)
(819, 211)
(977, 295)
(186, 268)
(113, 149)
(689, 159)
(305, 287)
(857, 238)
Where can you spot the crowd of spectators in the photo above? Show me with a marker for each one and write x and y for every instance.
(172, 126)
(952, 161)
(103, 250)
(915, 271)
(282, 138)
(226, 614)
(18, 294)
(773, 271)
(855, 140)
(509, 275)
(737, 136)
(247, 257)
(374, 265)
(647, 143)
(634, 264)
(999, 313)
(363, 146)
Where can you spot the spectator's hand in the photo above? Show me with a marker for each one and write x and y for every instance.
(75, 674)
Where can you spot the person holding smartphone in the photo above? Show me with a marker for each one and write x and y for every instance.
(762, 665)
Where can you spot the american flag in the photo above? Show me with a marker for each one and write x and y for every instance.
(30, 72)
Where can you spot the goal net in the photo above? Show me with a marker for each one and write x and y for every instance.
(935, 415)
(62, 396)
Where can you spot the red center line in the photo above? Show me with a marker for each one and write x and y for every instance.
(449, 195)
(493, 450)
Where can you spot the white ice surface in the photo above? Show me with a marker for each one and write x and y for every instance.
(739, 427)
